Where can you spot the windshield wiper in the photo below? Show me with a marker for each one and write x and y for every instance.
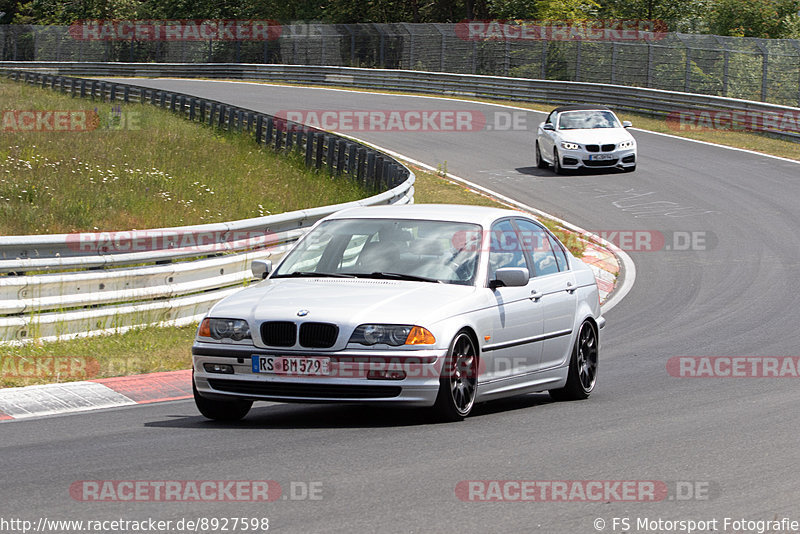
(313, 274)
(397, 276)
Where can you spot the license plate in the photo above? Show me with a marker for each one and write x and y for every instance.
(291, 365)
(601, 157)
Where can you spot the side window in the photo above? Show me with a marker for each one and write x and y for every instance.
(537, 243)
(505, 249)
(560, 256)
(551, 117)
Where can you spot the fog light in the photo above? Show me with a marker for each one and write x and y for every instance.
(221, 368)
(386, 375)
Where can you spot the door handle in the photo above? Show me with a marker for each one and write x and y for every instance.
(535, 295)
(570, 288)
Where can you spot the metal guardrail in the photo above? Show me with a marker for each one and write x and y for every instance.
(653, 102)
(108, 288)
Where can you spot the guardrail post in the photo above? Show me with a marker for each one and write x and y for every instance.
(223, 111)
(192, 109)
(369, 177)
(278, 136)
(239, 120)
(309, 148)
(320, 147)
(270, 128)
(361, 166)
(173, 102)
(378, 171)
(259, 128)
(290, 136)
(331, 154)
(203, 110)
(113, 92)
(341, 162)
(352, 149)
(250, 120)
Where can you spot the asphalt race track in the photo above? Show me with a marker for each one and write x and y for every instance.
(734, 440)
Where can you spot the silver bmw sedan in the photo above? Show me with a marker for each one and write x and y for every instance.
(438, 306)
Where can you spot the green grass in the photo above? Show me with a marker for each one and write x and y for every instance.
(140, 350)
(165, 172)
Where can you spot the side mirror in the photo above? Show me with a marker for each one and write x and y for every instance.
(549, 127)
(627, 124)
(260, 268)
(510, 277)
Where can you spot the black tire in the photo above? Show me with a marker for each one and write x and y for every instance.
(540, 163)
(220, 410)
(557, 163)
(458, 383)
(582, 375)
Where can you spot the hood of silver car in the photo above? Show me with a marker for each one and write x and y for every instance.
(346, 301)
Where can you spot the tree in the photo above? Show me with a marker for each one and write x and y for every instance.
(754, 18)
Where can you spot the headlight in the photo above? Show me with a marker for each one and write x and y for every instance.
(235, 329)
(570, 146)
(392, 334)
(625, 144)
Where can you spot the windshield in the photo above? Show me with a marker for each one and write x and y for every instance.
(575, 120)
(429, 251)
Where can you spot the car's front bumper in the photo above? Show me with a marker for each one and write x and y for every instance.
(578, 159)
(346, 383)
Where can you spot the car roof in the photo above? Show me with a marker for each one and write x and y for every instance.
(580, 107)
(438, 212)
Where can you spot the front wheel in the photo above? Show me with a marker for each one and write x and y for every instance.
(220, 410)
(557, 163)
(459, 379)
(582, 375)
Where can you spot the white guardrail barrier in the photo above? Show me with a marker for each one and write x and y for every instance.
(66, 285)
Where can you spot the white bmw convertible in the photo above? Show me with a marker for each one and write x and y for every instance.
(580, 137)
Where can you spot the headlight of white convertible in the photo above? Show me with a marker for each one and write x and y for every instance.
(625, 144)
(570, 146)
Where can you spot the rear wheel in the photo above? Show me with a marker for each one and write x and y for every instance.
(221, 410)
(458, 382)
(582, 375)
(540, 162)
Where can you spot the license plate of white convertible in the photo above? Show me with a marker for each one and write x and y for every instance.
(601, 157)
(291, 365)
